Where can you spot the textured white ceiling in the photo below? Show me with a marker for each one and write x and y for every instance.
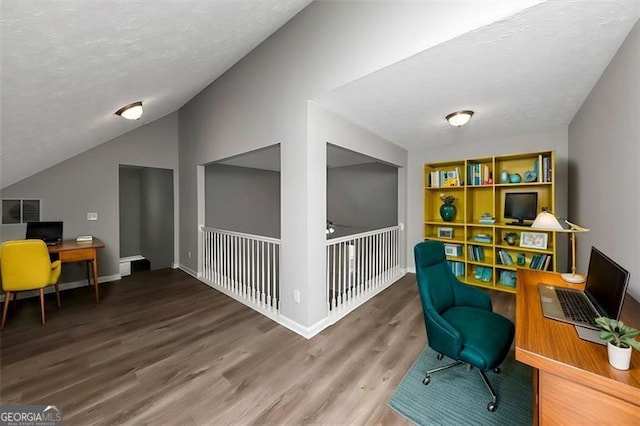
(523, 74)
(67, 66)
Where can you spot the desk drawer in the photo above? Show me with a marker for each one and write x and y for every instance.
(77, 255)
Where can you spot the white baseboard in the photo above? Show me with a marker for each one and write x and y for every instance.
(411, 270)
(64, 286)
(306, 332)
(188, 270)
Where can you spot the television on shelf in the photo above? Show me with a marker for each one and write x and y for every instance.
(520, 206)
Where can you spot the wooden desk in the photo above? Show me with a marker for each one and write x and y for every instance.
(573, 381)
(73, 251)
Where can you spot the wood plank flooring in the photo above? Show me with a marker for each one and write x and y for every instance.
(163, 348)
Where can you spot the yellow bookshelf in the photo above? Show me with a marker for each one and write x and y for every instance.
(476, 184)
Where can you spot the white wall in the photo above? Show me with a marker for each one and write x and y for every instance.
(544, 140)
(89, 183)
(604, 147)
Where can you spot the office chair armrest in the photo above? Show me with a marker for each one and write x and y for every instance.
(442, 337)
(55, 264)
(468, 296)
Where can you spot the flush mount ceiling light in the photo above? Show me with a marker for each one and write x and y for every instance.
(459, 118)
(131, 112)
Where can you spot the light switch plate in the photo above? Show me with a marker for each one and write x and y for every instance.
(92, 216)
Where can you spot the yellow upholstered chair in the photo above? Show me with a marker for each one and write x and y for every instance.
(26, 266)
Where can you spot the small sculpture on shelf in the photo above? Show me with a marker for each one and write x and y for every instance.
(447, 209)
(511, 238)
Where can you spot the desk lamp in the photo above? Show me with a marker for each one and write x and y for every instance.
(546, 221)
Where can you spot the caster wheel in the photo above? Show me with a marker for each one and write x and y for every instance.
(497, 370)
(426, 380)
(492, 406)
(440, 356)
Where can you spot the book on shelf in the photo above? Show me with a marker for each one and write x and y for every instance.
(444, 178)
(508, 278)
(487, 219)
(478, 273)
(540, 168)
(482, 238)
(505, 257)
(457, 268)
(546, 169)
(486, 274)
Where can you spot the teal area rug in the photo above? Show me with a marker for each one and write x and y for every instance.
(458, 397)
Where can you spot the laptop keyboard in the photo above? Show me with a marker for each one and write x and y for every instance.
(575, 307)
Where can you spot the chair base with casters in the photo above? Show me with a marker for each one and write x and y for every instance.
(459, 319)
(25, 265)
(492, 405)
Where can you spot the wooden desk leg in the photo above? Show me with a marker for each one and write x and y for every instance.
(94, 262)
(536, 397)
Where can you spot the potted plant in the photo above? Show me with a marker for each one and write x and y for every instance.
(620, 339)
(447, 209)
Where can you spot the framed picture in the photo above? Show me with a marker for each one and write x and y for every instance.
(445, 233)
(453, 249)
(535, 240)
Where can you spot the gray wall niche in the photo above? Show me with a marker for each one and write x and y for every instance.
(146, 214)
(362, 197)
(242, 199)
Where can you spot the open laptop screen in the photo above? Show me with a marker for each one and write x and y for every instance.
(606, 283)
(49, 232)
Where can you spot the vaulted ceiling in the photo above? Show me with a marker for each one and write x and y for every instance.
(67, 66)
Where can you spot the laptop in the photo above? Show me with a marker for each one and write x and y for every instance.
(603, 294)
(49, 232)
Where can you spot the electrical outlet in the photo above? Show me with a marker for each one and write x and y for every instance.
(296, 296)
(92, 216)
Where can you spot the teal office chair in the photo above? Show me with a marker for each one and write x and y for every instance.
(459, 320)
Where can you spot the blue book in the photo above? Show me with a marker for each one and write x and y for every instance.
(486, 275)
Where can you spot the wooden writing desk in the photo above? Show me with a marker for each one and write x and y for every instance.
(73, 251)
(573, 381)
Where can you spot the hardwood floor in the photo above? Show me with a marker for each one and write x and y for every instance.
(163, 348)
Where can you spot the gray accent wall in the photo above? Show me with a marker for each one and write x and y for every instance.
(242, 199)
(362, 197)
(89, 183)
(263, 100)
(604, 148)
(157, 216)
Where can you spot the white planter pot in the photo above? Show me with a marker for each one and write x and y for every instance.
(619, 358)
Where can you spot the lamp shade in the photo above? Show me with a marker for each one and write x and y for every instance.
(546, 220)
(132, 111)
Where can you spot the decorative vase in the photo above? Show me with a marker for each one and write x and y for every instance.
(619, 358)
(504, 176)
(447, 212)
(515, 178)
(510, 238)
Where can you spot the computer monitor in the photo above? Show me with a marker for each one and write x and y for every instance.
(521, 206)
(606, 283)
(49, 232)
